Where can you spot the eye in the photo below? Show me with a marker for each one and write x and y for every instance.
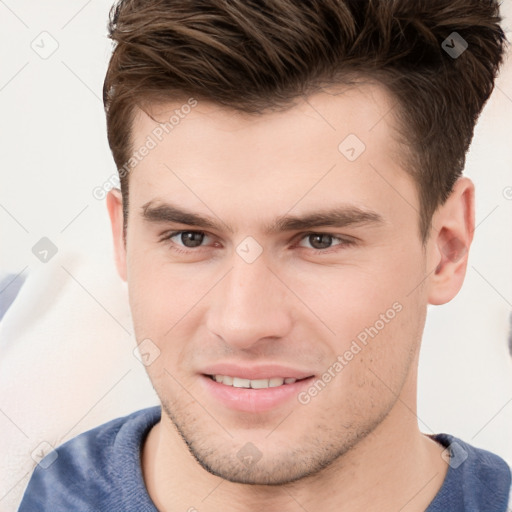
(322, 241)
(187, 239)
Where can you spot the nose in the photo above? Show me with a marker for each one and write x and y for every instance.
(250, 305)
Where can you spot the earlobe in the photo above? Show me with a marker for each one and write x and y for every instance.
(115, 211)
(453, 225)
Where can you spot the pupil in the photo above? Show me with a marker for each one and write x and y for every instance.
(191, 239)
(320, 240)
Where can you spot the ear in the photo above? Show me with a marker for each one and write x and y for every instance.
(453, 225)
(115, 211)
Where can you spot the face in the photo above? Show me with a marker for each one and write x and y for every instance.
(270, 247)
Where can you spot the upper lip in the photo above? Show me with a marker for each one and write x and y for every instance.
(266, 371)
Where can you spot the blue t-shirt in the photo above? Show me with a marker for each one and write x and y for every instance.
(100, 470)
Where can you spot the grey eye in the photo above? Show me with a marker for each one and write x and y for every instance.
(190, 238)
(320, 240)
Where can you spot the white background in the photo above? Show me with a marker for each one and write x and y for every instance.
(66, 361)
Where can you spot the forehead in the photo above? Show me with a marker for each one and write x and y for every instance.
(338, 144)
(364, 109)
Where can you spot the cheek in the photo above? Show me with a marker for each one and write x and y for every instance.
(169, 304)
(351, 295)
(386, 344)
(161, 292)
(367, 371)
(377, 312)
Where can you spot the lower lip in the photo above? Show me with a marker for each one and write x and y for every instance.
(253, 400)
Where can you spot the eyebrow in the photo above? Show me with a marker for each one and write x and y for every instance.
(335, 217)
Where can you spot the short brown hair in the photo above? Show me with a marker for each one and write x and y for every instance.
(255, 56)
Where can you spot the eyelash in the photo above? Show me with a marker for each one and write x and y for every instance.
(343, 241)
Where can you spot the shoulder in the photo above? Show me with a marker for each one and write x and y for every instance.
(477, 479)
(95, 469)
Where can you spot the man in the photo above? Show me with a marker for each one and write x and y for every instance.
(291, 201)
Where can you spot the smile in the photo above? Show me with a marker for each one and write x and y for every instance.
(239, 382)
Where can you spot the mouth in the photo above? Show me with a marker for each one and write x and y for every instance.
(240, 382)
(253, 395)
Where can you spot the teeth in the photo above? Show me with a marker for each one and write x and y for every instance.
(241, 383)
(259, 383)
(238, 382)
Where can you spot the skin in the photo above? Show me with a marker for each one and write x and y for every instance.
(356, 445)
